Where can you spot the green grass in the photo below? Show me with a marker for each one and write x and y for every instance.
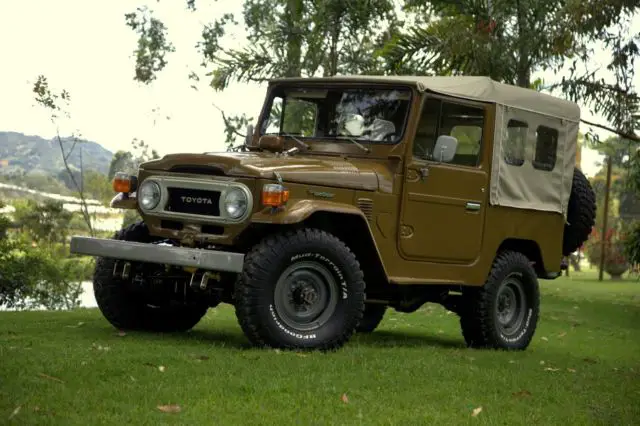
(413, 370)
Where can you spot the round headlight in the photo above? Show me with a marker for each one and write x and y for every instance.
(149, 195)
(235, 203)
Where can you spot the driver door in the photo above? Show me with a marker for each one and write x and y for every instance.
(444, 204)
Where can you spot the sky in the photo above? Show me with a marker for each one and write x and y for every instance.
(86, 48)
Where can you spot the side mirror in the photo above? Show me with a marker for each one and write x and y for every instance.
(445, 148)
(249, 136)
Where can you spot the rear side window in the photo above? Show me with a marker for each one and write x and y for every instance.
(515, 142)
(546, 148)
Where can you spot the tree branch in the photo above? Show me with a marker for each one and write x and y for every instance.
(624, 135)
(227, 123)
(85, 210)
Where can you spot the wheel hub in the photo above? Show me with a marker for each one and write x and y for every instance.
(510, 306)
(305, 295)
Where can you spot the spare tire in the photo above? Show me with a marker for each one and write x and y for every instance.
(581, 213)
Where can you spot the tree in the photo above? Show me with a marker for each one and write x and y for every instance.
(129, 161)
(49, 100)
(507, 40)
(286, 38)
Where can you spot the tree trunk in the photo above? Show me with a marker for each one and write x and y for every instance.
(523, 70)
(293, 17)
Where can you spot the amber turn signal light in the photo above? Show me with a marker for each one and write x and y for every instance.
(124, 183)
(274, 195)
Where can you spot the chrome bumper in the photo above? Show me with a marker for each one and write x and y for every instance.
(166, 255)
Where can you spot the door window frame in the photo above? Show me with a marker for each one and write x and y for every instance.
(487, 129)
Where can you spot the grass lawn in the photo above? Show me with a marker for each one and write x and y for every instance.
(583, 367)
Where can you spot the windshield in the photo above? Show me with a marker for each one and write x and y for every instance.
(364, 114)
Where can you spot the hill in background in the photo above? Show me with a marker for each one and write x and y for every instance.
(25, 154)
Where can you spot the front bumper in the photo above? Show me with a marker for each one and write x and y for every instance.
(166, 255)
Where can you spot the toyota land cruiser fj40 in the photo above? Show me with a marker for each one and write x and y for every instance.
(355, 195)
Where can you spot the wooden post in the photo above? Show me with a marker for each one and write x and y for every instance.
(605, 218)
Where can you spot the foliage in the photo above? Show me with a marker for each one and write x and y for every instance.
(46, 222)
(129, 161)
(55, 102)
(34, 275)
(632, 244)
(286, 38)
(614, 245)
(152, 43)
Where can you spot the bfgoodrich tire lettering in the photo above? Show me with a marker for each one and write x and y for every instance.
(486, 319)
(322, 319)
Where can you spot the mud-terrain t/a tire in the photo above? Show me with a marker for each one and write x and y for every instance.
(301, 289)
(487, 320)
(373, 315)
(128, 310)
(581, 213)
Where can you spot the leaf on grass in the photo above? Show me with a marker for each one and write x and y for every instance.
(551, 369)
(344, 398)
(564, 333)
(521, 394)
(476, 411)
(571, 370)
(80, 324)
(544, 338)
(46, 376)
(171, 408)
(100, 347)
(15, 412)
(161, 368)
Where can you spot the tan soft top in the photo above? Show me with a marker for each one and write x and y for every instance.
(470, 87)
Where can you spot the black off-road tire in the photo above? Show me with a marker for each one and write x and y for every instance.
(127, 310)
(259, 309)
(581, 213)
(373, 315)
(479, 321)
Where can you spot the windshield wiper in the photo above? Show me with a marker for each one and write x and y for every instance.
(302, 144)
(358, 144)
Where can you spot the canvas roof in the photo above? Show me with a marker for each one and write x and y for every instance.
(472, 87)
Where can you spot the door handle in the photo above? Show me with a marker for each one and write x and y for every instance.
(424, 172)
(474, 207)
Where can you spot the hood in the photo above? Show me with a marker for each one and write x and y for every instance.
(363, 174)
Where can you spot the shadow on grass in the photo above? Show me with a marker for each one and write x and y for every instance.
(236, 340)
(208, 337)
(384, 338)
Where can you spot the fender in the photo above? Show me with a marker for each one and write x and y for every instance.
(298, 211)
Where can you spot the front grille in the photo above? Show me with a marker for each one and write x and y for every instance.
(193, 201)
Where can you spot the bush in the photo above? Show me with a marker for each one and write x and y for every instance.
(36, 275)
(632, 245)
